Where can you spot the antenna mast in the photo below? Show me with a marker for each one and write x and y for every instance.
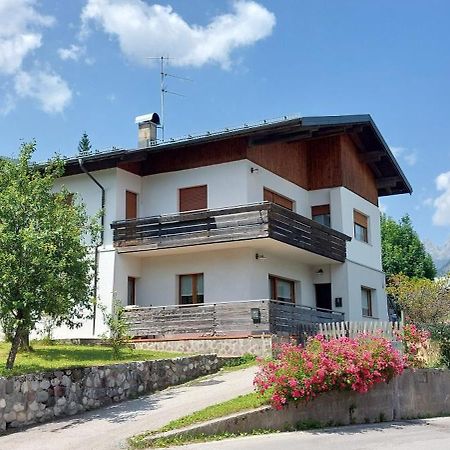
(163, 89)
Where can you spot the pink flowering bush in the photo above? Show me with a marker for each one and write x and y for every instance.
(303, 372)
(415, 343)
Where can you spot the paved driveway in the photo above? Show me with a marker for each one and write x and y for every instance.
(428, 434)
(109, 428)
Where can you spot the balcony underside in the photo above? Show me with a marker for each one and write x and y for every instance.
(262, 221)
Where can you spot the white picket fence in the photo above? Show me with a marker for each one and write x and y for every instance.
(354, 329)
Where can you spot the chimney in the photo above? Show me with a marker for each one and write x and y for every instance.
(147, 125)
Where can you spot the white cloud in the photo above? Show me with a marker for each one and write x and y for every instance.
(383, 208)
(409, 156)
(20, 25)
(74, 52)
(144, 30)
(441, 215)
(46, 87)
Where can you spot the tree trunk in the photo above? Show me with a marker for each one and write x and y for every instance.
(24, 345)
(14, 348)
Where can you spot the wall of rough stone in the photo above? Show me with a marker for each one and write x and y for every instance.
(222, 346)
(41, 397)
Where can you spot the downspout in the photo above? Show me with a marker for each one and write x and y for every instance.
(102, 236)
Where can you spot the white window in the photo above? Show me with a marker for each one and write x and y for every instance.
(366, 302)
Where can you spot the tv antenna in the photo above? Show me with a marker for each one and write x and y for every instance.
(163, 88)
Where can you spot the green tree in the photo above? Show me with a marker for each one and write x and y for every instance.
(84, 146)
(45, 239)
(424, 301)
(402, 251)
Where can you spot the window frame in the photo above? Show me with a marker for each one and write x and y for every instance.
(273, 280)
(275, 195)
(186, 188)
(195, 293)
(360, 226)
(321, 211)
(369, 309)
(133, 291)
(136, 199)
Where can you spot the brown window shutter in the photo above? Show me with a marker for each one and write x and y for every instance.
(320, 210)
(270, 196)
(360, 219)
(193, 198)
(130, 205)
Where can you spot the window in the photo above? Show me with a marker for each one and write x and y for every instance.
(282, 289)
(270, 196)
(360, 226)
(321, 214)
(193, 198)
(131, 293)
(130, 205)
(366, 302)
(191, 289)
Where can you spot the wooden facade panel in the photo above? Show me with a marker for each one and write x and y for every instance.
(288, 160)
(197, 156)
(325, 168)
(357, 175)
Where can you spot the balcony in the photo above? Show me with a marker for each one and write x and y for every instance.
(241, 223)
(239, 318)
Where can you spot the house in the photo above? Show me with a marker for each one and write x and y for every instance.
(284, 210)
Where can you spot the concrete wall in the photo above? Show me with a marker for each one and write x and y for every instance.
(42, 397)
(414, 394)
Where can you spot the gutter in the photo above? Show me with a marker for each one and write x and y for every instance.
(102, 237)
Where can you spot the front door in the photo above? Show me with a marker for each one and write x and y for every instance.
(323, 295)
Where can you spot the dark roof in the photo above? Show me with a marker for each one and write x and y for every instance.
(365, 134)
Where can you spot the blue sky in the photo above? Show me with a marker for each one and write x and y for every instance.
(80, 65)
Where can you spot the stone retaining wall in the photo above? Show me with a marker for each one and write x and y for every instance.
(222, 346)
(41, 397)
(415, 394)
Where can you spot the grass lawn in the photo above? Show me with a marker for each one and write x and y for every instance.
(52, 357)
(238, 404)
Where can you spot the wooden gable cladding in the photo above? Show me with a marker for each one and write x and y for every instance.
(324, 163)
(288, 160)
(196, 156)
(357, 175)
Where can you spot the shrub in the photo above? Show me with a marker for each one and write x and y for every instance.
(441, 334)
(301, 373)
(118, 336)
(415, 344)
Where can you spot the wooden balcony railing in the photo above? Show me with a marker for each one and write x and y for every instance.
(256, 221)
(225, 319)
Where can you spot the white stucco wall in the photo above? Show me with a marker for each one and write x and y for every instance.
(229, 275)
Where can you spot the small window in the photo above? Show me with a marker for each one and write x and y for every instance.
(193, 198)
(130, 205)
(131, 295)
(191, 289)
(282, 289)
(366, 302)
(321, 214)
(360, 226)
(280, 200)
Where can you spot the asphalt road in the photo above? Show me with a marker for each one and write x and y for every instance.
(108, 428)
(427, 434)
